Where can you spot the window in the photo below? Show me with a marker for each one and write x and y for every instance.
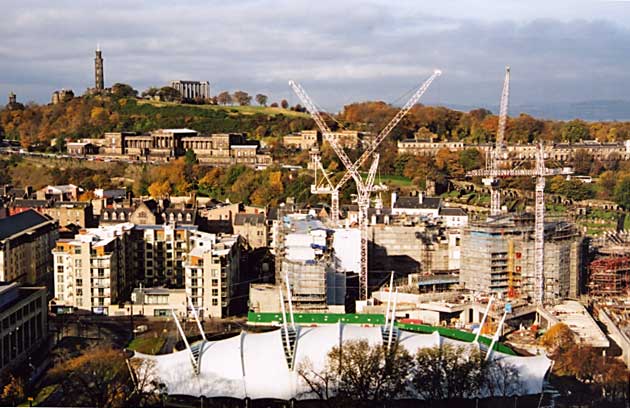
(215, 302)
(77, 263)
(59, 278)
(77, 250)
(215, 282)
(215, 292)
(60, 269)
(105, 216)
(114, 217)
(188, 217)
(79, 282)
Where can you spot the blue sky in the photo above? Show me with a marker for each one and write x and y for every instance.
(341, 51)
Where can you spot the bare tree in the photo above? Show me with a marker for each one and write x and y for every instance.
(357, 371)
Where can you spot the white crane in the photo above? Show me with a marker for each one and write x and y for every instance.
(352, 168)
(540, 171)
(499, 150)
(364, 189)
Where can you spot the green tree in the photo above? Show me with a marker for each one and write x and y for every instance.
(575, 130)
(622, 192)
(284, 104)
(151, 92)
(124, 91)
(169, 94)
(261, 99)
(60, 143)
(470, 159)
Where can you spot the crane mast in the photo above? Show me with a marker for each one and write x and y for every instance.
(364, 189)
(499, 150)
(540, 171)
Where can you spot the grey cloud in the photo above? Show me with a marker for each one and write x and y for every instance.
(341, 51)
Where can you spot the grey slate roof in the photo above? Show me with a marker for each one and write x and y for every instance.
(251, 219)
(414, 202)
(20, 222)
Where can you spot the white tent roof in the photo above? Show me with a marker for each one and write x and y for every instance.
(254, 365)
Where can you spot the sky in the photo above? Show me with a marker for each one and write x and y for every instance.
(340, 51)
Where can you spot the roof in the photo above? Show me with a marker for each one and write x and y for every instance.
(414, 202)
(182, 130)
(223, 363)
(26, 203)
(252, 219)
(453, 212)
(20, 222)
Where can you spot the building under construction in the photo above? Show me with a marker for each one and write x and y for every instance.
(609, 276)
(498, 256)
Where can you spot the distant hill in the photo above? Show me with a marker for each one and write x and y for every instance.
(613, 110)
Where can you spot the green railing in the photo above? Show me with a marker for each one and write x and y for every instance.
(372, 319)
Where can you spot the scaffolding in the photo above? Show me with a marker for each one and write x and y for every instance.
(609, 276)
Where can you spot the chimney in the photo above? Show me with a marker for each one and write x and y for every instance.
(394, 198)
(420, 197)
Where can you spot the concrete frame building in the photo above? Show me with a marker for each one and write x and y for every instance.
(212, 273)
(192, 89)
(92, 270)
(498, 255)
(23, 323)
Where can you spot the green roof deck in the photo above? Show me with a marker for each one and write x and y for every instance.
(372, 319)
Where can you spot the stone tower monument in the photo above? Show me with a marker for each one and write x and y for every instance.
(12, 98)
(99, 84)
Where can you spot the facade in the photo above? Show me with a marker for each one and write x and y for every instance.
(79, 213)
(66, 192)
(24, 323)
(212, 272)
(26, 240)
(92, 270)
(454, 217)
(219, 149)
(416, 206)
(159, 302)
(562, 152)
(253, 228)
(498, 256)
(192, 89)
(81, 148)
(304, 140)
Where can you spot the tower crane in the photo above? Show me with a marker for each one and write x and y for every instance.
(499, 150)
(540, 171)
(364, 189)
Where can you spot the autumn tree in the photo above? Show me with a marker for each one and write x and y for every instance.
(242, 98)
(261, 99)
(101, 378)
(558, 339)
(224, 98)
(13, 391)
(159, 189)
(470, 159)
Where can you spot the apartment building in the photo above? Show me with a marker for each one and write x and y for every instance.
(92, 270)
(24, 323)
(26, 240)
(213, 276)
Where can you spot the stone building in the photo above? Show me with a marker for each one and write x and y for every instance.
(220, 149)
(24, 319)
(26, 240)
(79, 213)
(64, 95)
(192, 89)
(253, 228)
(304, 140)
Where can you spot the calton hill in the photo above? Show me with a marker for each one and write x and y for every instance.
(50, 127)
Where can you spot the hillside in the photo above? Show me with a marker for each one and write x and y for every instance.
(91, 116)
